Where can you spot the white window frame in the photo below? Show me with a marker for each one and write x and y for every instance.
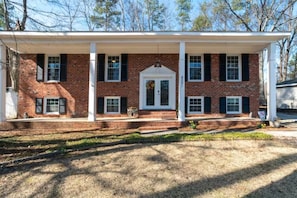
(202, 68)
(239, 68)
(46, 67)
(240, 104)
(105, 104)
(106, 67)
(202, 105)
(45, 105)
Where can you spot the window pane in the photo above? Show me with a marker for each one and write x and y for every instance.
(232, 68)
(112, 105)
(150, 92)
(195, 68)
(113, 68)
(164, 92)
(52, 105)
(195, 105)
(53, 68)
(233, 105)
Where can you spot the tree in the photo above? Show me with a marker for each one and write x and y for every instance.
(202, 21)
(13, 56)
(106, 15)
(293, 67)
(183, 8)
(155, 14)
(87, 10)
(67, 13)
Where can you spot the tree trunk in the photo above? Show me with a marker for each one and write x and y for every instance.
(14, 60)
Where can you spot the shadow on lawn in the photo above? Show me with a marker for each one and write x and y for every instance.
(191, 189)
(203, 186)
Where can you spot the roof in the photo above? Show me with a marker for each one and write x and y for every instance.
(287, 83)
(139, 42)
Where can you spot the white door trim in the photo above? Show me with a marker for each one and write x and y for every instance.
(157, 73)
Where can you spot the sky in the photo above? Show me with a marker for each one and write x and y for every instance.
(78, 25)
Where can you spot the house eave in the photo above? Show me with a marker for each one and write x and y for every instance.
(140, 42)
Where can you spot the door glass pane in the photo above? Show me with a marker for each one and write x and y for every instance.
(150, 93)
(164, 92)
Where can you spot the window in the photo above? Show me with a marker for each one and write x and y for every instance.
(112, 105)
(53, 68)
(55, 105)
(39, 106)
(195, 105)
(233, 68)
(113, 68)
(52, 105)
(233, 105)
(195, 69)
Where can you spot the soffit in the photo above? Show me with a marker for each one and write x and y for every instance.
(138, 42)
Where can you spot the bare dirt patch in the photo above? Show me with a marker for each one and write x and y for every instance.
(242, 168)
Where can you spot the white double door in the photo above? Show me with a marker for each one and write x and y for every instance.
(157, 89)
(157, 93)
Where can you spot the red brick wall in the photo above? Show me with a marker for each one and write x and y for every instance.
(216, 88)
(75, 90)
(136, 64)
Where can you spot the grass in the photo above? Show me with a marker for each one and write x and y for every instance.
(137, 138)
(13, 147)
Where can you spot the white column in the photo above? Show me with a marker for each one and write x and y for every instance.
(181, 82)
(271, 83)
(92, 83)
(2, 83)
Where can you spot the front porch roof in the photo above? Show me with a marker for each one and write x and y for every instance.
(139, 42)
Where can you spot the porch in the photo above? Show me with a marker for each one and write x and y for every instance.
(126, 123)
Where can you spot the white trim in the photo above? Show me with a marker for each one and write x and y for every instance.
(202, 105)
(95, 35)
(202, 68)
(105, 104)
(157, 73)
(181, 81)
(271, 83)
(286, 85)
(239, 68)
(240, 104)
(106, 68)
(92, 83)
(2, 83)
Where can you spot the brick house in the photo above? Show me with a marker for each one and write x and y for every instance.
(101, 74)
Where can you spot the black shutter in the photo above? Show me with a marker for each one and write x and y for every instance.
(38, 105)
(100, 105)
(186, 67)
(222, 105)
(186, 105)
(245, 67)
(245, 105)
(62, 105)
(124, 105)
(124, 67)
(101, 67)
(40, 67)
(207, 104)
(207, 67)
(222, 62)
(63, 72)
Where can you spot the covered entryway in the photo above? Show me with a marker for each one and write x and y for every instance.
(157, 89)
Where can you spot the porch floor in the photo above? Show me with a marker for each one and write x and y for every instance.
(203, 123)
